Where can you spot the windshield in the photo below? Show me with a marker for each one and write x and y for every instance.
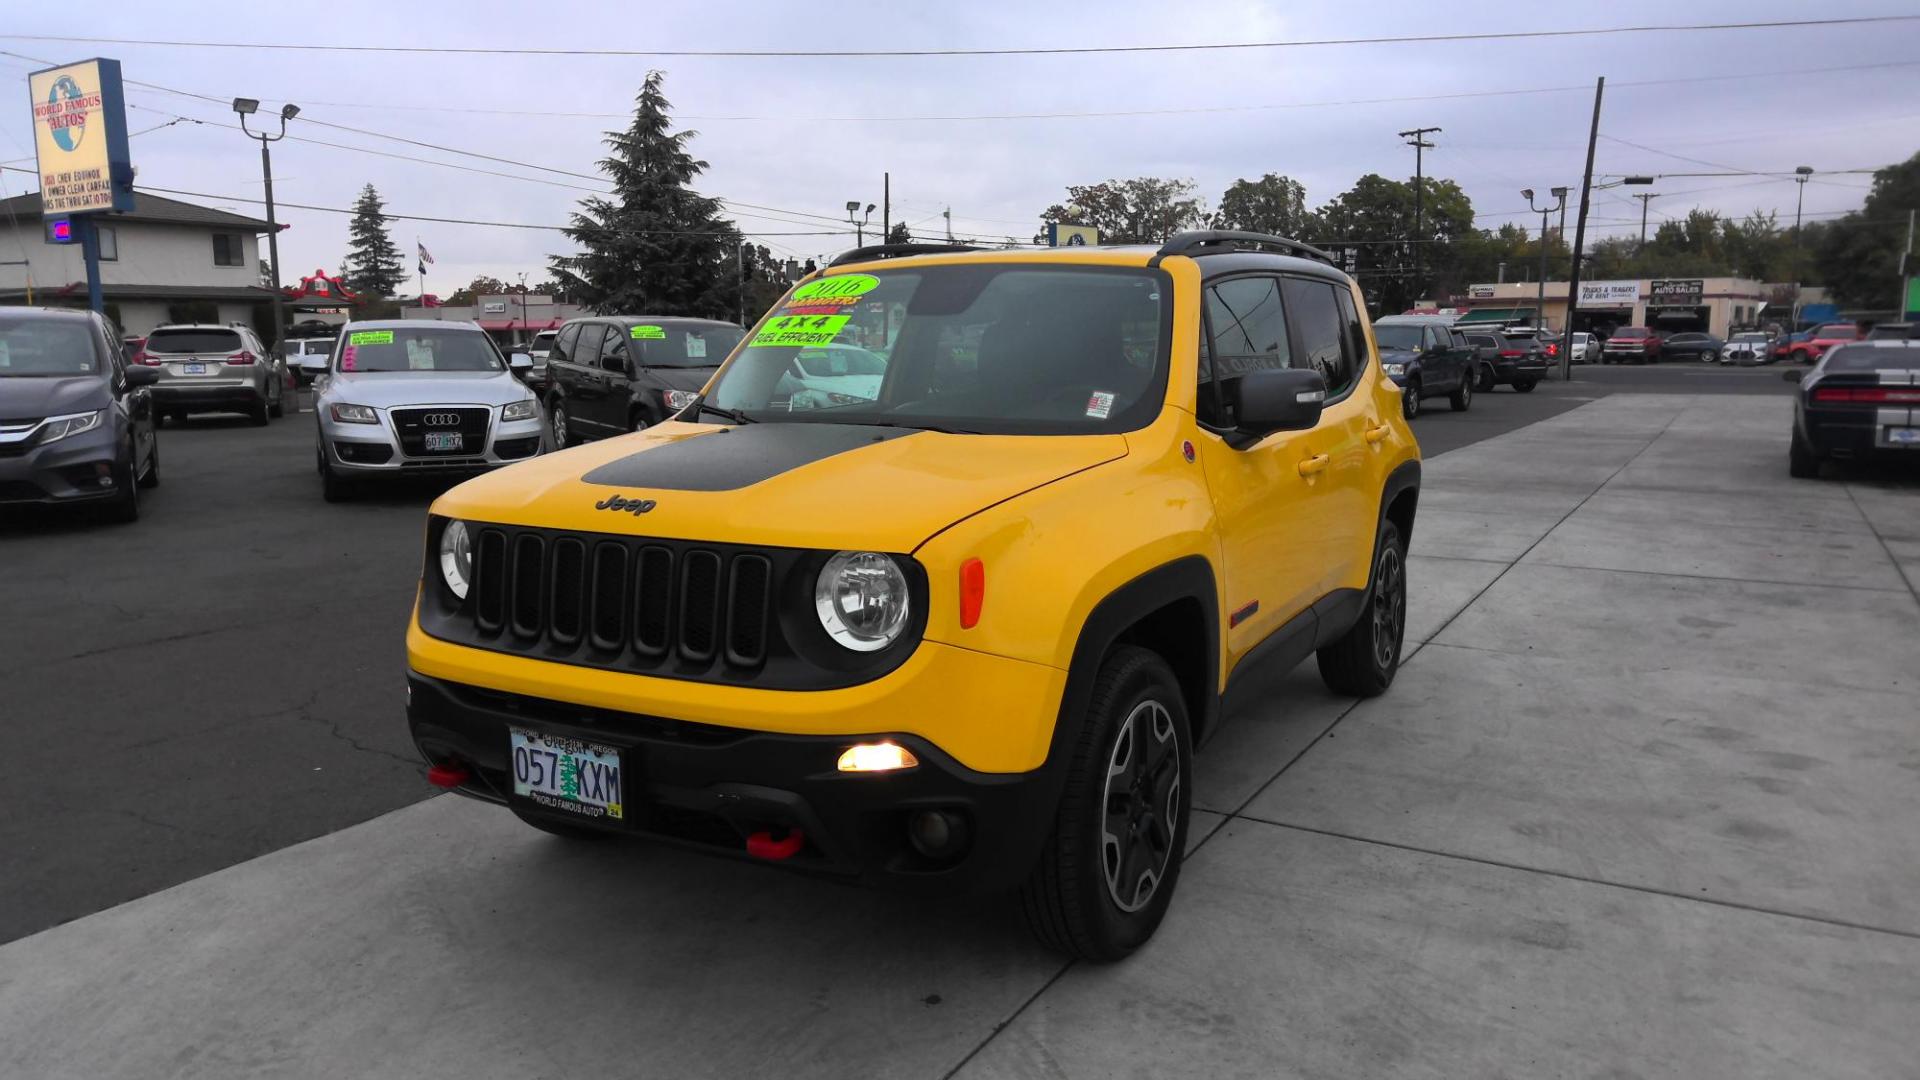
(1006, 349)
(429, 348)
(1397, 336)
(193, 341)
(836, 360)
(1630, 332)
(46, 347)
(1836, 330)
(668, 345)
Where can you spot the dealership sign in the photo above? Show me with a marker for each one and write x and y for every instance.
(80, 137)
(1678, 292)
(1609, 293)
(1480, 292)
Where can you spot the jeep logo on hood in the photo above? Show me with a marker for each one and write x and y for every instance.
(636, 507)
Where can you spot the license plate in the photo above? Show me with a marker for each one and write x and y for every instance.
(443, 440)
(193, 369)
(1904, 436)
(567, 774)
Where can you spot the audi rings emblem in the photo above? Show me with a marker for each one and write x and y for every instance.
(441, 419)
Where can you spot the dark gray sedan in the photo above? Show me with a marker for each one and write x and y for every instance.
(1702, 347)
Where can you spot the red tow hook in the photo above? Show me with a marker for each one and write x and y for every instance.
(762, 845)
(448, 776)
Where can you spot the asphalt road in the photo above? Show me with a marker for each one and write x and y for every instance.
(224, 678)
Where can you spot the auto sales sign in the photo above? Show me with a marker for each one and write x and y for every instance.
(80, 137)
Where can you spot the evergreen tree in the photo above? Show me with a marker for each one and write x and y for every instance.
(373, 267)
(654, 246)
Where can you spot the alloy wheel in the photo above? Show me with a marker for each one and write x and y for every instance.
(1389, 608)
(559, 427)
(1141, 806)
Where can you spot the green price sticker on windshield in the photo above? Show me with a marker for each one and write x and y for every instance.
(370, 337)
(649, 333)
(837, 287)
(787, 331)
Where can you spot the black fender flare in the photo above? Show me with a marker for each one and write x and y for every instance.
(1186, 579)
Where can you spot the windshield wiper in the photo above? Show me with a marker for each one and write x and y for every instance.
(700, 406)
(914, 427)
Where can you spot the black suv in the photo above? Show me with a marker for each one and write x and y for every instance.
(76, 420)
(613, 374)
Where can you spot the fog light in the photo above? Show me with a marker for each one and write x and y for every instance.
(877, 757)
(937, 834)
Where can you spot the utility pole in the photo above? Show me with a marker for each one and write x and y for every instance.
(1906, 270)
(1644, 199)
(948, 214)
(1417, 139)
(1580, 233)
(1801, 174)
(886, 206)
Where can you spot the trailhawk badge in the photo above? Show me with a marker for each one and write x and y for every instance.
(636, 507)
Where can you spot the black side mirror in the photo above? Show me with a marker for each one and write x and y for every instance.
(1793, 375)
(139, 375)
(1284, 399)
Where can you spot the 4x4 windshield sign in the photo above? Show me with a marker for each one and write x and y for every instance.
(795, 330)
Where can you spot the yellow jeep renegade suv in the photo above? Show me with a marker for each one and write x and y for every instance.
(942, 577)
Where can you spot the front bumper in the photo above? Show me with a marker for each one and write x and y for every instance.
(711, 787)
(67, 471)
(375, 450)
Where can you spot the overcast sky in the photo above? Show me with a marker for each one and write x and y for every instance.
(767, 126)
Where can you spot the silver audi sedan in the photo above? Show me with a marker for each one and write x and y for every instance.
(406, 397)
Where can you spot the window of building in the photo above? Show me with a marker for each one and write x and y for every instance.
(109, 243)
(229, 250)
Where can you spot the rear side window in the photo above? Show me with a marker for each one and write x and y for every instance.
(1315, 316)
(563, 342)
(194, 341)
(586, 348)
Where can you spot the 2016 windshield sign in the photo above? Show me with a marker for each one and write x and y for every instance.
(80, 137)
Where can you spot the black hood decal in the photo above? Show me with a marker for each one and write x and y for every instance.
(736, 457)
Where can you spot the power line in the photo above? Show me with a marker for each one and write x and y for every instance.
(1505, 35)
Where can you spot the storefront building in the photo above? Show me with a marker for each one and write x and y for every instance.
(1671, 305)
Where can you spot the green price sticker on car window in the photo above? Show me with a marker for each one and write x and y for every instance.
(837, 287)
(370, 337)
(783, 331)
(649, 333)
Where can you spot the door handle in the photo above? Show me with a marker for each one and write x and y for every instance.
(1314, 465)
(1377, 435)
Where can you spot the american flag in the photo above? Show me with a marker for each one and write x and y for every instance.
(426, 259)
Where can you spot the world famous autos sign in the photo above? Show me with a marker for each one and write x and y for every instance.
(80, 137)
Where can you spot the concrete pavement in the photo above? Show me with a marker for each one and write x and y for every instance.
(1645, 801)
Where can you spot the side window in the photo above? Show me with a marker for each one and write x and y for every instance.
(1315, 316)
(1459, 340)
(563, 344)
(1249, 331)
(613, 350)
(1354, 332)
(1430, 339)
(587, 348)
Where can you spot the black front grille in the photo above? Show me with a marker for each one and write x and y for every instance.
(412, 426)
(675, 608)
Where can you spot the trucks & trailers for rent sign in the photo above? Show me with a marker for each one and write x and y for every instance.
(80, 137)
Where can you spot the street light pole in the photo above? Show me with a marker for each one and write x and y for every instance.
(1801, 174)
(859, 224)
(1540, 305)
(247, 107)
(1417, 139)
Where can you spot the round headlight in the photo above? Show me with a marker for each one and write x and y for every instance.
(862, 600)
(456, 557)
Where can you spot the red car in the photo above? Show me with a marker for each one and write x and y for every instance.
(1823, 338)
(1632, 345)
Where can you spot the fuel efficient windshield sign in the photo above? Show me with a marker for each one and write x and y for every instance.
(80, 137)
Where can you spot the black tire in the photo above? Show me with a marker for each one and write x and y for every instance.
(1710, 357)
(334, 488)
(1487, 382)
(1525, 386)
(1363, 661)
(559, 427)
(257, 412)
(1410, 400)
(1462, 397)
(277, 408)
(1802, 462)
(125, 506)
(151, 478)
(1071, 898)
(638, 422)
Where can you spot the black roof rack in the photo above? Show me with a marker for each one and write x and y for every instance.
(895, 251)
(1199, 241)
